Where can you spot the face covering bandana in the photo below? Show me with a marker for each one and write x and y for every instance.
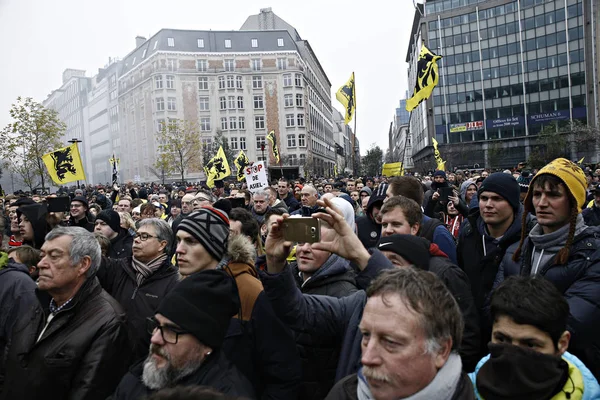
(515, 373)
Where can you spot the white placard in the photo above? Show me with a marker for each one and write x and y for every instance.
(256, 176)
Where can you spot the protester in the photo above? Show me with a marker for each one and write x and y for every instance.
(283, 188)
(108, 223)
(260, 201)
(141, 281)
(242, 222)
(308, 197)
(72, 344)
(16, 239)
(80, 216)
(125, 204)
(187, 332)
(186, 208)
(591, 215)
(561, 248)
(439, 181)
(369, 226)
(274, 202)
(33, 225)
(528, 352)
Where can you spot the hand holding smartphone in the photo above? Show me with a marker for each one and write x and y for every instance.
(302, 229)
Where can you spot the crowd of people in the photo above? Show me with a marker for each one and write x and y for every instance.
(453, 285)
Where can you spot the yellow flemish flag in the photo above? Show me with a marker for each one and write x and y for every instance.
(334, 169)
(441, 164)
(393, 169)
(64, 165)
(241, 162)
(347, 96)
(217, 168)
(427, 78)
(271, 138)
(581, 161)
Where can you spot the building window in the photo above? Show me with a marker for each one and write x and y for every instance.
(259, 122)
(158, 84)
(254, 42)
(282, 63)
(238, 82)
(227, 43)
(231, 102)
(256, 64)
(202, 65)
(289, 120)
(160, 104)
(242, 123)
(171, 42)
(292, 160)
(171, 64)
(260, 141)
(203, 83)
(298, 80)
(299, 100)
(204, 103)
(223, 103)
(205, 124)
(224, 123)
(242, 142)
(170, 82)
(257, 82)
(287, 80)
(258, 102)
(302, 139)
(221, 82)
(233, 143)
(230, 82)
(229, 64)
(171, 104)
(300, 119)
(200, 43)
(291, 140)
(232, 123)
(240, 102)
(160, 125)
(302, 157)
(288, 100)
(280, 42)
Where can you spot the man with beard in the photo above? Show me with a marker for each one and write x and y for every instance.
(187, 331)
(439, 181)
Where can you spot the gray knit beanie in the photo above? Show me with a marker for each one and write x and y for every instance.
(209, 226)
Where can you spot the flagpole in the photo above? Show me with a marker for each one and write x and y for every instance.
(354, 136)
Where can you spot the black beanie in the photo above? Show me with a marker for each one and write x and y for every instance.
(111, 218)
(203, 305)
(209, 226)
(504, 185)
(413, 249)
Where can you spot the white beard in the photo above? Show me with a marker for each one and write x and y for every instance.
(158, 378)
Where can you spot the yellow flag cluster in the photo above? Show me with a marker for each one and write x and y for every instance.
(427, 78)
(335, 170)
(64, 165)
(241, 162)
(217, 168)
(441, 164)
(271, 138)
(393, 169)
(347, 96)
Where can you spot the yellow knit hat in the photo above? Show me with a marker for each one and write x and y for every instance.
(572, 176)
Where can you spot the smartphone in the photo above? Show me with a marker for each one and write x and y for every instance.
(302, 229)
(237, 202)
(58, 204)
(445, 192)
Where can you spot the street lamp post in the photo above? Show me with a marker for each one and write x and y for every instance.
(77, 141)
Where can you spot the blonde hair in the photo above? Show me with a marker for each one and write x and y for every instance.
(127, 220)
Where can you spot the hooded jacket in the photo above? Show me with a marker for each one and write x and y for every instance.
(591, 216)
(118, 278)
(86, 222)
(368, 230)
(121, 245)
(36, 214)
(216, 372)
(257, 342)
(81, 355)
(320, 356)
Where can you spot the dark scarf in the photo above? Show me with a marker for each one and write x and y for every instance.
(515, 373)
(145, 270)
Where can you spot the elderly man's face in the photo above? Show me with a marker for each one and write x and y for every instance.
(56, 270)
(308, 197)
(163, 198)
(395, 357)
(260, 204)
(169, 362)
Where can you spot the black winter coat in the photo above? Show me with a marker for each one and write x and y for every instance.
(578, 281)
(85, 222)
(120, 247)
(216, 372)
(118, 278)
(82, 354)
(291, 202)
(591, 216)
(320, 355)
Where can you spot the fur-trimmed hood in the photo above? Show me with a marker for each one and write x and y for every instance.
(240, 250)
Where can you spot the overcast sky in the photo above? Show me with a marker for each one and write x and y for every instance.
(39, 39)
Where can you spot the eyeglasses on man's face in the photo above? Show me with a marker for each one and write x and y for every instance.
(143, 236)
(169, 333)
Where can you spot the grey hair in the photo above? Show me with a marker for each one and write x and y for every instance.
(163, 230)
(83, 244)
(262, 192)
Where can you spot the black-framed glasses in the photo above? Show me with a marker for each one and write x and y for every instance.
(170, 334)
(143, 236)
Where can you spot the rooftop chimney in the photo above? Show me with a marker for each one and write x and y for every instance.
(139, 40)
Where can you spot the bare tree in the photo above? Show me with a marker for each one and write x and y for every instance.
(179, 149)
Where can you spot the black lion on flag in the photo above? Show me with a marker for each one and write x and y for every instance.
(63, 163)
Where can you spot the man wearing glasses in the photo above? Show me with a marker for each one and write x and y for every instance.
(141, 281)
(187, 334)
(80, 215)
